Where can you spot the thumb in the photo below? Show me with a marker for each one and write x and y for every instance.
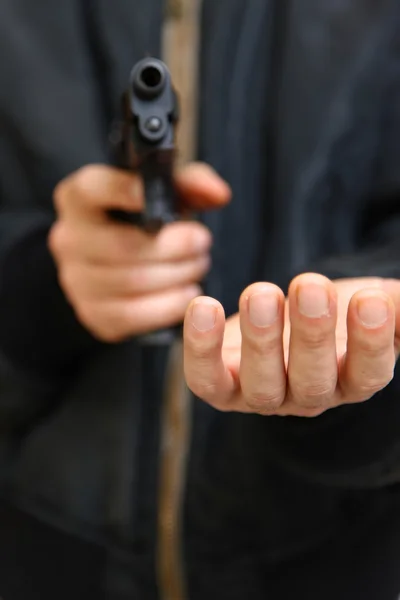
(201, 187)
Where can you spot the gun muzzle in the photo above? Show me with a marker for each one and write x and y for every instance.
(149, 78)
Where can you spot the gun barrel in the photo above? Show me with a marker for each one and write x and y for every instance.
(146, 144)
(149, 78)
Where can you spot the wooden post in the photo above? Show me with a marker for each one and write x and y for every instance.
(181, 52)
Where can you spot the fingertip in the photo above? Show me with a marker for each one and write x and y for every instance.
(311, 279)
(372, 308)
(312, 296)
(372, 292)
(203, 315)
(261, 304)
(260, 288)
(202, 187)
(368, 364)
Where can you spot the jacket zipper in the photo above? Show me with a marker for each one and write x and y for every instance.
(175, 445)
(181, 50)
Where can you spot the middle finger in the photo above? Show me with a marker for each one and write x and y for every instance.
(312, 369)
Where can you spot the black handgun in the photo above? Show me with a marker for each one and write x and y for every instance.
(146, 141)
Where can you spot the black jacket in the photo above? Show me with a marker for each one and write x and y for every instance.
(300, 112)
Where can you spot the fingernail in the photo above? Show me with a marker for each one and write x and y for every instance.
(313, 300)
(204, 316)
(373, 311)
(263, 309)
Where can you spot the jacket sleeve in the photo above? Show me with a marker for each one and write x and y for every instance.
(378, 253)
(379, 257)
(39, 333)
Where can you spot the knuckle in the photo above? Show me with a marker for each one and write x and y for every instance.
(201, 388)
(372, 347)
(222, 407)
(59, 239)
(263, 345)
(111, 336)
(201, 353)
(67, 280)
(86, 174)
(368, 387)
(310, 413)
(265, 402)
(79, 183)
(314, 339)
(107, 328)
(86, 314)
(313, 393)
(84, 181)
(52, 241)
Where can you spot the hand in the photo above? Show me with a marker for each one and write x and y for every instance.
(328, 344)
(121, 281)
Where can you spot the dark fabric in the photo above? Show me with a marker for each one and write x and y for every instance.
(40, 563)
(357, 560)
(29, 266)
(299, 111)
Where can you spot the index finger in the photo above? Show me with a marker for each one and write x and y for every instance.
(205, 371)
(98, 188)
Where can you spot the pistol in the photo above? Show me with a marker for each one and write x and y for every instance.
(145, 142)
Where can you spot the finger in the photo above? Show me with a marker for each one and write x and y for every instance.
(201, 187)
(262, 367)
(370, 359)
(312, 369)
(114, 321)
(205, 372)
(392, 288)
(119, 244)
(98, 282)
(93, 189)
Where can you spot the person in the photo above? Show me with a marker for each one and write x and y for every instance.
(293, 473)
